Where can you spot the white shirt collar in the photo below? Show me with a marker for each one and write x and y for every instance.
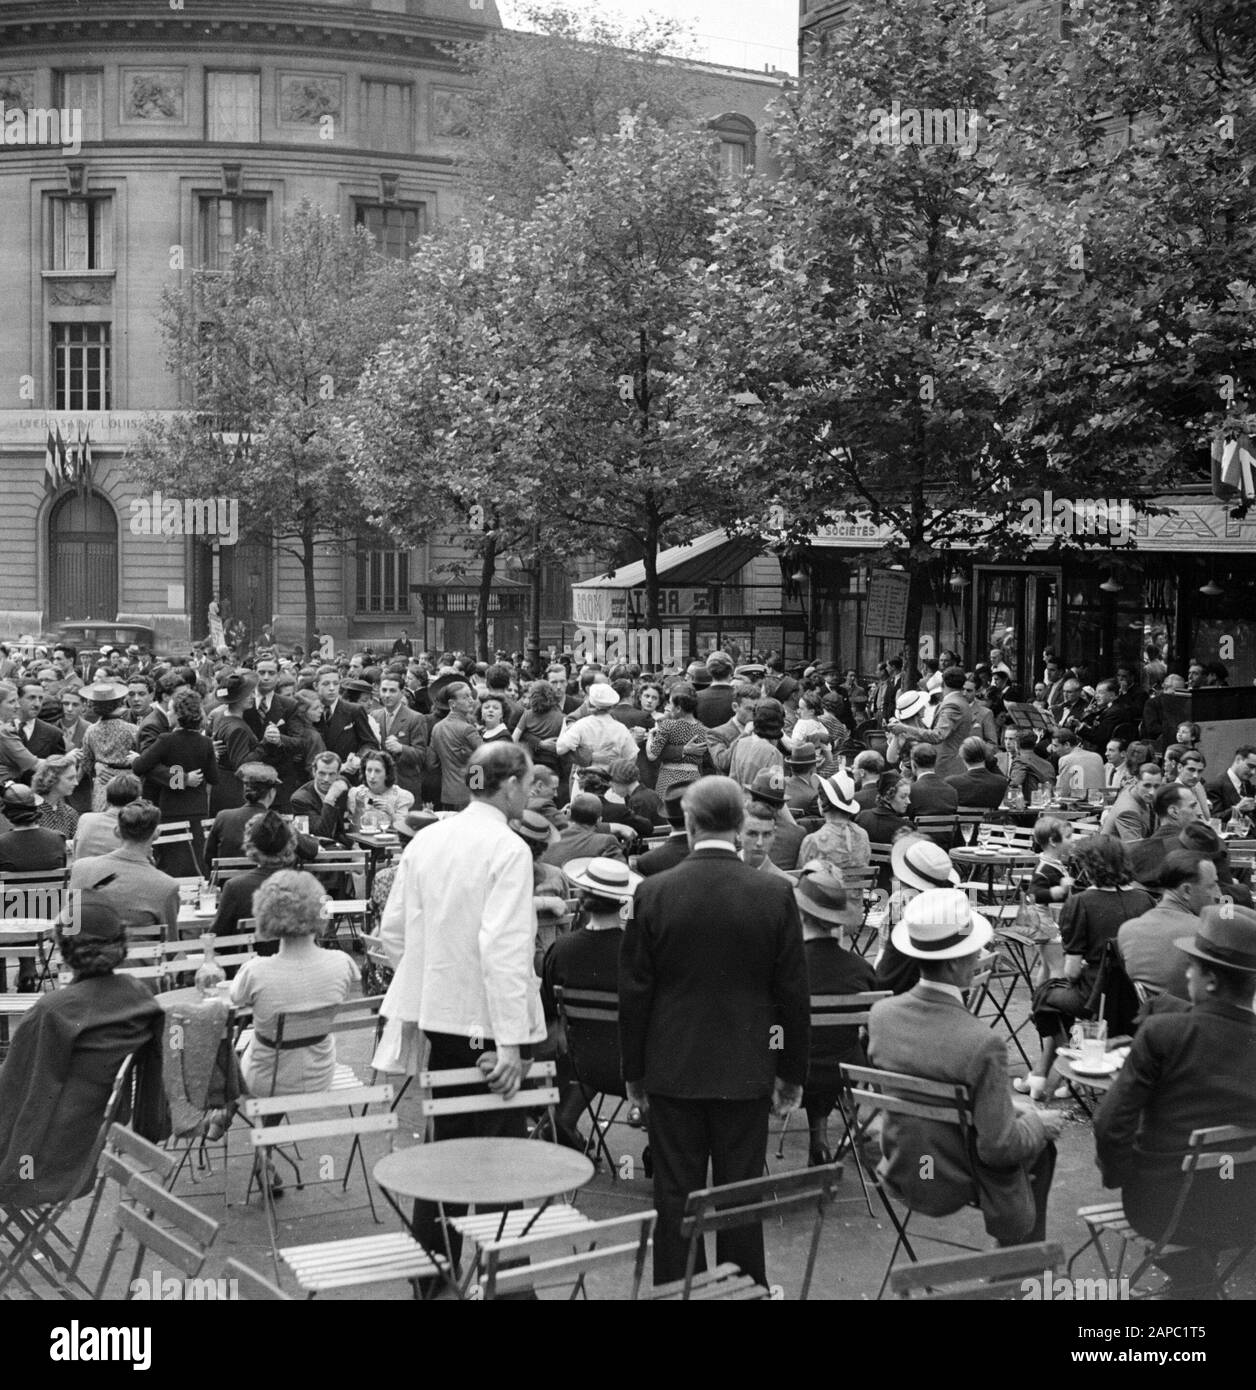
(714, 844)
(953, 990)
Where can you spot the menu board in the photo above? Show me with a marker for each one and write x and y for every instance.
(886, 611)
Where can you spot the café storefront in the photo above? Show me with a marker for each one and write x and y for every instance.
(1186, 587)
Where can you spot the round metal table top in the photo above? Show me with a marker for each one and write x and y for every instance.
(976, 854)
(191, 995)
(471, 1172)
(26, 926)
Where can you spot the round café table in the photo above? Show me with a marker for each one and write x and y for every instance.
(1075, 1080)
(28, 932)
(480, 1172)
(992, 858)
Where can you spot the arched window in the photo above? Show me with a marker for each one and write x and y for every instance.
(82, 559)
(737, 142)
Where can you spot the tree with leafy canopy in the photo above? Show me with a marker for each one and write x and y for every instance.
(431, 431)
(269, 344)
(565, 76)
(854, 306)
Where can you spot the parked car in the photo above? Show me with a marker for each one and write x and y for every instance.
(87, 638)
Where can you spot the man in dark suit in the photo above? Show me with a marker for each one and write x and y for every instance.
(1189, 1068)
(715, 703)
(403, 734)
(324, 799)
(344, 727)
(714, 1021)
(928, 1032)
(930, 795)
(581, 839)
(279, 726)
(40, 738)
(676, 846)
(1108, 712)
(977, 785)
(1175, 808)
(1236, 786)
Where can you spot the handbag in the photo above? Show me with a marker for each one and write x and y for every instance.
(1034, 921)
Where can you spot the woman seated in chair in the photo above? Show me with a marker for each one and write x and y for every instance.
(271, 843)
(1190, 1067)
(831, 969)
(1091, 918)
(64, 1058)
(379, 803)
(888, 815)
(288, 908)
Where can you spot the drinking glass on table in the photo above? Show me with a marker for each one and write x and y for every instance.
(1090, 1037)
(208, 898)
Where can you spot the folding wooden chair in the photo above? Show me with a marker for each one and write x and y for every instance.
(125, 1155)
(268, 1138)
(942, 830)
(994, 983)
(185, 1246)
(252, 1286)
(552, 1260)
(223, 870)
(590, 1020)
(741, 1204)
(551, 1218)
(986, 1276)
(27, 1235)
(1219, 1150)
(917, 1097)
(831, 1013)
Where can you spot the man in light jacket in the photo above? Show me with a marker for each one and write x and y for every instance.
(460, 928)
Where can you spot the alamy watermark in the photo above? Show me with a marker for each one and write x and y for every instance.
(897, 124)
(39, 125)
(645, 646)
(1049, 515)
(186, 516)
(1056, 1288)
(158, 1288)
(44, 904)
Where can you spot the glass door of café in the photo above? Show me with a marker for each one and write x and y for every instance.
(1017, 612)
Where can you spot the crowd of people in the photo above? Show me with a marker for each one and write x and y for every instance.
(717, 825)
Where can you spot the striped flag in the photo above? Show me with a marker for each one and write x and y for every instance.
(85, 457)
(64, 462)
(51, 470)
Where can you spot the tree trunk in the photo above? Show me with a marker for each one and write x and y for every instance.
(534, 633)
(488, 568)
(311, 601)
(918, 570)
(650, 559)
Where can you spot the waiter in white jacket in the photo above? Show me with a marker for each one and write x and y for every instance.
(460, 928)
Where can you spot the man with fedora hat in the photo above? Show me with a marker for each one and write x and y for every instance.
(802, 785)
(768, 786)
(1190, 1067)
(826, 913)
(917, 864)
(929, 1033)
(714, 1022)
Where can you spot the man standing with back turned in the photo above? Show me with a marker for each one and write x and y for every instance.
(714, 1021)
(460, 928)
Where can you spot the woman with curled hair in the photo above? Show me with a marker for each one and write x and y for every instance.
(55, 780)
(1091, 918)
(649, 700)
(183, 762)
(63, 1060)
(379, 803)
(288, 907)
(540, 724)
(665, 743)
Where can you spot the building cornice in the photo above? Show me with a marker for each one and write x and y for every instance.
(259, 26)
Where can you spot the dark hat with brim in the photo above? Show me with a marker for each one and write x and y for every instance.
(803, 756)
(1226, 937)
(821, 894)
(768, 785)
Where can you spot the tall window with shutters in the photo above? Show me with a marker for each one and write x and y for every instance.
(233, 102)
(84, 92)
(80, 234)
(383, 581)
(81, 366)
(387, 116)
(224, 223)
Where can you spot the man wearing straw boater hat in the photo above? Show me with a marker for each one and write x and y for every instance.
(714, 1021)
(929, 1032)
(1190, 1067)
